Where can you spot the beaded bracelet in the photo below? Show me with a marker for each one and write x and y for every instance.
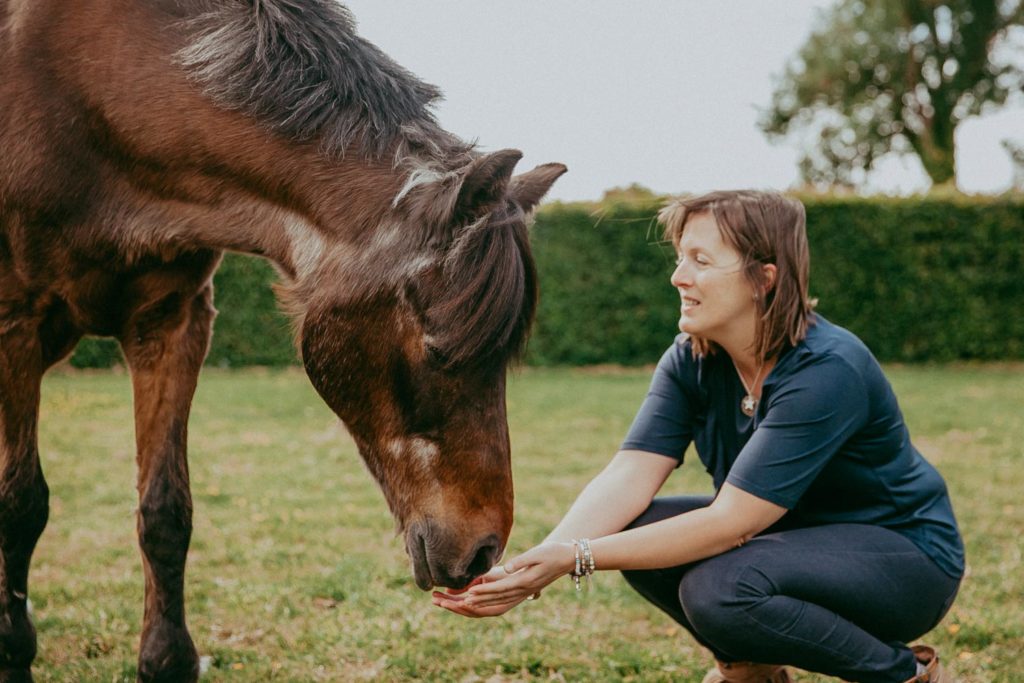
(583, 565)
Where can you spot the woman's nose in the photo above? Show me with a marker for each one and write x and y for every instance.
(681, 276)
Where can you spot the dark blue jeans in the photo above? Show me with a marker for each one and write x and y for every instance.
(838, 599)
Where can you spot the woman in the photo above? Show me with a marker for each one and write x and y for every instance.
(830, 542)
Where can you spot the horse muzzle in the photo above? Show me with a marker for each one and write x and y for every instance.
(438, 560)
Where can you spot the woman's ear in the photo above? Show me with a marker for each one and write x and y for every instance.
(769, 271)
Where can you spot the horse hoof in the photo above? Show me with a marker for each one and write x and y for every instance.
(168, 671)
(168, 656)
(17, 646)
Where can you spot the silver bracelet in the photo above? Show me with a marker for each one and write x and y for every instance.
(583, 565)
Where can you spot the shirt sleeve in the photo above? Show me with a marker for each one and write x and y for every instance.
(806, 423)
(663, 425)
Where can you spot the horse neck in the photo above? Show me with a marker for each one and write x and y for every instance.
(332, 205)
(290, 205)
(201, 175)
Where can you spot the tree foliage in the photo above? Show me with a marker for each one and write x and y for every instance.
(1016, 152)
(896, 76)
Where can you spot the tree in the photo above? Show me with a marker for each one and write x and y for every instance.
(896, 76)
(1016, 152)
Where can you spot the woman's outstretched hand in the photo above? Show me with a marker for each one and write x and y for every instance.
(505, 586)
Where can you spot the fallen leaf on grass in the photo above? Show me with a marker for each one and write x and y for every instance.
(325, 603)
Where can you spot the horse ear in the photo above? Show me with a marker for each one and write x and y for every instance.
(486, 182)
(529, 188)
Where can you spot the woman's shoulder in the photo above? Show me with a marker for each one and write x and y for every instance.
(679, 356)
(826, 340)
(682, 363)
(692, 371)
(830, 346)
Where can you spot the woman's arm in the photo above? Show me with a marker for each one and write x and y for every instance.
(615, 497)
(733, 518)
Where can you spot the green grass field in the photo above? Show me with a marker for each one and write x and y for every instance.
(295, 573)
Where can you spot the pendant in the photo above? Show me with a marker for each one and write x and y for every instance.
(748, 405)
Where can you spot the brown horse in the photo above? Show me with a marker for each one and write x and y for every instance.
(141, 138)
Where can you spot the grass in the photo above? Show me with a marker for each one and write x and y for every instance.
(295, 574)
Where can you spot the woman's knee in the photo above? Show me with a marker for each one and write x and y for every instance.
(717, 595)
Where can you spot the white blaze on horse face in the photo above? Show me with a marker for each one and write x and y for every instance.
(426, 452)
(305, 243)
(420, 452)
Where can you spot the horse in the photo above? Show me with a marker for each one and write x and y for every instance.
(139, 141)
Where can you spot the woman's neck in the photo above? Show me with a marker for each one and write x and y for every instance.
(751, 367)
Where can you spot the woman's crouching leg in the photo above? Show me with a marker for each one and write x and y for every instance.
(835, 600)
(661, 586)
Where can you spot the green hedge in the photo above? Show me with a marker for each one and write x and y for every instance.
(919, 279)
(604, 283)
(922, 279)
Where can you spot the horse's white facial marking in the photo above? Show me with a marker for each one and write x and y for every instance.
(426, 452)
(305, 243)
(420, 452)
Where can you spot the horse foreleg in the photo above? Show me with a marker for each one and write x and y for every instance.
(24, 496)
(165, 345)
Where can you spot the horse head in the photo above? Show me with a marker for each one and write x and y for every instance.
(415, 364)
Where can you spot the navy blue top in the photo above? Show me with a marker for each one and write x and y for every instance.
(827, 441)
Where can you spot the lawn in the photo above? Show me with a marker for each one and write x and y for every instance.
(295, 573)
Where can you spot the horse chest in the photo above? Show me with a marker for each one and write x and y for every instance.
(99, 296)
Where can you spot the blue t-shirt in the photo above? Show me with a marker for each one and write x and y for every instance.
(827, 441)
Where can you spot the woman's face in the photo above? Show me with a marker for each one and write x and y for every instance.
(717, 300)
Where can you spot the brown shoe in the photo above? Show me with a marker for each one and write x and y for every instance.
(933, 668)
(747, 672)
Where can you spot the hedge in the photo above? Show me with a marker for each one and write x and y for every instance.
(918, 279)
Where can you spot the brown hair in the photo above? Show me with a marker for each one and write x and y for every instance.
(764, 227)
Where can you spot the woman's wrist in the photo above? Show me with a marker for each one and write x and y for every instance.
(565, 556)
(583, 564)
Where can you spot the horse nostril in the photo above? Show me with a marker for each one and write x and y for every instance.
(483, 559)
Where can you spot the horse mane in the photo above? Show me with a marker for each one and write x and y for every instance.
(489, 295)
(299, 67)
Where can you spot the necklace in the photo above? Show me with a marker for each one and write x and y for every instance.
(748, 404)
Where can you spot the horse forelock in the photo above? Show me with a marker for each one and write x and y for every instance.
(300, 68)
(488, 293)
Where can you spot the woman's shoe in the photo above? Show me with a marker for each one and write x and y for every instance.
(747, 672)
(933, 668)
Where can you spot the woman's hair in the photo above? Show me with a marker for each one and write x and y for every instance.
(764, 227)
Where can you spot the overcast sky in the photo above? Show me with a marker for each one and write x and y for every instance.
(664, 93)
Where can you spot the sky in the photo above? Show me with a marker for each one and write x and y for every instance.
(664, 93)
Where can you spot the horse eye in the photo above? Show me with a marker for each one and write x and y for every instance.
(436, 356)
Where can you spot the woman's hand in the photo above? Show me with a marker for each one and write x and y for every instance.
(506, 586)
(457, 600)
